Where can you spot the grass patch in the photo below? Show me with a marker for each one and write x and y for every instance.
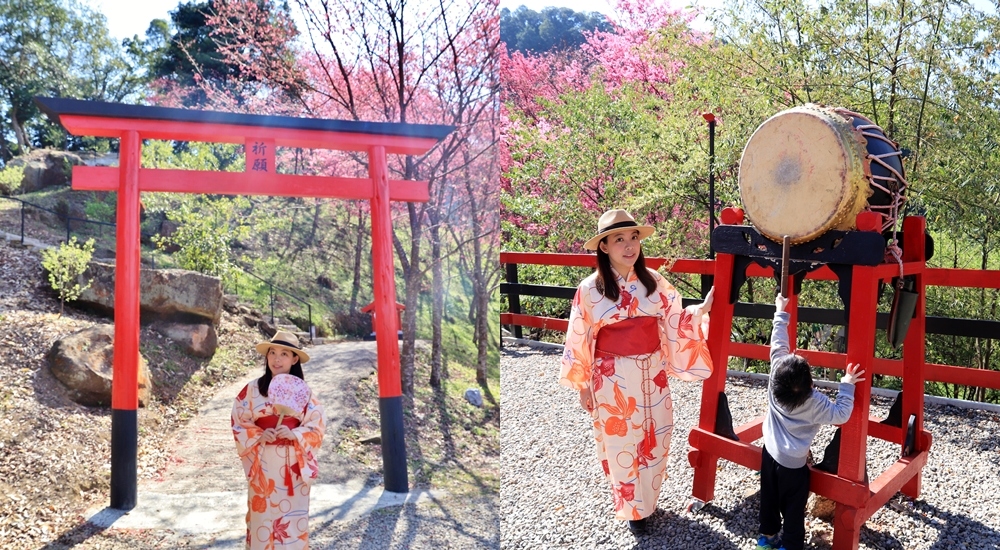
(451, 445)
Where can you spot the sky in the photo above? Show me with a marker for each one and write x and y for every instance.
(130, 17)
(127, 18)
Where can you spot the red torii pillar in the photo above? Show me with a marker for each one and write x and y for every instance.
(260, 135)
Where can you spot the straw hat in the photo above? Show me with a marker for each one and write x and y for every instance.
(286, 340)
(616, 220)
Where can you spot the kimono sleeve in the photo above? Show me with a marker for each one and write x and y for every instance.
(308, 438)
(683, 335)
(578, 353)
(245, 432)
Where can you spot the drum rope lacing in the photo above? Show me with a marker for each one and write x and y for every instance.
(894, 187)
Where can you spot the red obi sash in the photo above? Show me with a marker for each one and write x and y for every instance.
(271, 421)
(634, 336)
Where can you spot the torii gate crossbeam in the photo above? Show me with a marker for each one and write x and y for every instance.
(260, 134)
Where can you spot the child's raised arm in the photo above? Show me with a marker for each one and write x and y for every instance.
(780, 303)
(779, 333)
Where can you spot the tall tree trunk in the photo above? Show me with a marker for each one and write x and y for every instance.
(413, 278)
(437, 312)
(479, 281)
(317, 210)
(358, 248)
(5, 153)
(482, 331)
(407, 355)
(22, 138)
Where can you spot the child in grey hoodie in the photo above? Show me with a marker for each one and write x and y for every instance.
(795, 413)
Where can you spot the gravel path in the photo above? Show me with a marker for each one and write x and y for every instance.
(553, 493)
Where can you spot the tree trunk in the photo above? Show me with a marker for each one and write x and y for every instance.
(413, 278)
(407, 355)
(482, 330)
(22, 138)
(358, 248)
(479, 281)
(438, 303)
(5, 153)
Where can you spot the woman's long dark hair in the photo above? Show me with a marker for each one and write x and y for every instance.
(265, 381)
(606, 275)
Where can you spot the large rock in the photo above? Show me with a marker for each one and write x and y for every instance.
(164, 294)
(199, 340)
(821, 507)
(82, 361)
(45, 168)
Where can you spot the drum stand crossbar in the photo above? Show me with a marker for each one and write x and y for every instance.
(856, 259)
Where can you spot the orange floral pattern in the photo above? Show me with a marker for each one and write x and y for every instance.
(278, 476)
(633, 416)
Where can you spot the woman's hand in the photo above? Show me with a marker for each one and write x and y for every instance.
(706, 305)
(284, 432)
(587, 400)
(268, 436)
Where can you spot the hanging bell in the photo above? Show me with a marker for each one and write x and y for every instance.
(904, 305)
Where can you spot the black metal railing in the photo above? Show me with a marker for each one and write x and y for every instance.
(271, 290)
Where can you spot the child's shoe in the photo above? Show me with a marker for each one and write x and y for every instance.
(769, 543)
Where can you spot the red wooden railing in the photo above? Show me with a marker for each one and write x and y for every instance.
(942, 277)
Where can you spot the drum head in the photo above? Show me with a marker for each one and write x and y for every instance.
(802, 174)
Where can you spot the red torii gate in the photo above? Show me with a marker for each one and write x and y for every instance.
(260, 134)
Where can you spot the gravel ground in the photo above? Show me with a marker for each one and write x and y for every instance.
(553, 493)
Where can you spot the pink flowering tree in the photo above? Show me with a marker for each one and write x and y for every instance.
(411, 62)
(614, 125)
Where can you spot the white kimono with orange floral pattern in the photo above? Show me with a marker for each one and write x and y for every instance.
(633, 415)
(277, 516)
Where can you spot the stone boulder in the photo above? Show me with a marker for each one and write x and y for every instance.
(164, 294)
(83, 363)
(197, 339)
(45, 168)
(821, 507)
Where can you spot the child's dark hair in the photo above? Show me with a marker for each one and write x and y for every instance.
(264, 382)
(791, 382)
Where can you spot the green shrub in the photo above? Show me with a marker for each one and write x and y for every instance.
(10, 179)
(65, 265)
(100, 210)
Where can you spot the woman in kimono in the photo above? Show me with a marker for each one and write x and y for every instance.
(279, 459)
(627, 333)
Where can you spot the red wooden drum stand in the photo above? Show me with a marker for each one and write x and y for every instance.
(856, 498)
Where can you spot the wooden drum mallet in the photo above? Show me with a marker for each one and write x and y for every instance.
(786, 244)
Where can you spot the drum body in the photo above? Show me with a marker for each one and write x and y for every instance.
(811, 169)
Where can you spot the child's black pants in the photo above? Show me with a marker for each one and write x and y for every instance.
(783, 494)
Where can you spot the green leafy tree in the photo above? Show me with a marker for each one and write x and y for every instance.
(552, 29)
(207, 229)
(54, 47)
(65, 265)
